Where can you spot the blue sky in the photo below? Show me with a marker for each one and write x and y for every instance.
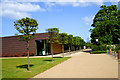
(72, 18)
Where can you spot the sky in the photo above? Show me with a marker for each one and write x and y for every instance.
(72, 17)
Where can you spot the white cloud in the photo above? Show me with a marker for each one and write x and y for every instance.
(21, 8)
(14, 14)
(62, 0)
(74, 3)
(88, 19)
(18, 10)
(81, 4)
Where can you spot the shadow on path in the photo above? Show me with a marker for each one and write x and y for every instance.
(88, 51)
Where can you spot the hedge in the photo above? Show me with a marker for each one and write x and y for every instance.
(98, 52)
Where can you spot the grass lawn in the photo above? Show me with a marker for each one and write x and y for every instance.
(17, 67)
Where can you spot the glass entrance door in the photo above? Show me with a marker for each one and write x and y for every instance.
(42, 47)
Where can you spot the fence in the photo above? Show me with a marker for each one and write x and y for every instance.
(114, 54)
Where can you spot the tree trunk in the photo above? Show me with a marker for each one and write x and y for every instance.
(74, 48)
(28, 55)
(63, 49)
(52, 50)
(69, 49)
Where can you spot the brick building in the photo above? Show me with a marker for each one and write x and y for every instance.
(11, 46)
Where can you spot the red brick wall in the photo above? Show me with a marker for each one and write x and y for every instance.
(57, 48)
(12, 46)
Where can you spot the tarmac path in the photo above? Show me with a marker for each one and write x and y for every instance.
(84, 65)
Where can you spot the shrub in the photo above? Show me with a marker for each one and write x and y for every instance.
(17, 55)
(25, 54)
(117, 47)
(4, 55)
(97, 52)
(99, 47)
(31, 54)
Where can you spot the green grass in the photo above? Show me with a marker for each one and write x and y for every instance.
(17, 67)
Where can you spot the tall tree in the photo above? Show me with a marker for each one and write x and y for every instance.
(79, 42)
(106, 25)
(27, 27)
(70, 40)
(52, 38)
(63, 39)
(76, 42)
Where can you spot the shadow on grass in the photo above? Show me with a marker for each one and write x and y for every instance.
(58, 57)
(14, 79)
(50, 60)
(25, 66)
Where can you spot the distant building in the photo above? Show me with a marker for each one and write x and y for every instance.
(11, 46)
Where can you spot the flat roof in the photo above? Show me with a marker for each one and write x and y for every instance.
(16, 36)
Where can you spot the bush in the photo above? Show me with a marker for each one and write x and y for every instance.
(4, 55)
(17, 54)
(97, 52)
(25, 54)
(117, 47)
(7, 55)
(114, 48)
(99, 47)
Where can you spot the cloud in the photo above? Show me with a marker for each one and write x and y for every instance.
(62, 0)
(14, 14)
(74, 3)
(88, 19)
(20, 8)
(16, 10)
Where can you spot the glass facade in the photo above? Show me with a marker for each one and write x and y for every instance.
(42, 47)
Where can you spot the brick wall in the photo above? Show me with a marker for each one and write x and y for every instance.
(11, 46)
(57, 48)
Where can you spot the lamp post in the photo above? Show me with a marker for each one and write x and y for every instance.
(97, 40)
(119, 41)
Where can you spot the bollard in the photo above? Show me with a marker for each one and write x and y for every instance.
(110, 51)
(118, 54)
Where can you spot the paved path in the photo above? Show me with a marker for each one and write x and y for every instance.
(84, 65)
(67, 54)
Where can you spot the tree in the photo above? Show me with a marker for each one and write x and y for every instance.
(76, 42)
(88, 44)
(70, 40)
(63, 39)
(106, 26)
(80, 40)
(27, 27)
(52, 37)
